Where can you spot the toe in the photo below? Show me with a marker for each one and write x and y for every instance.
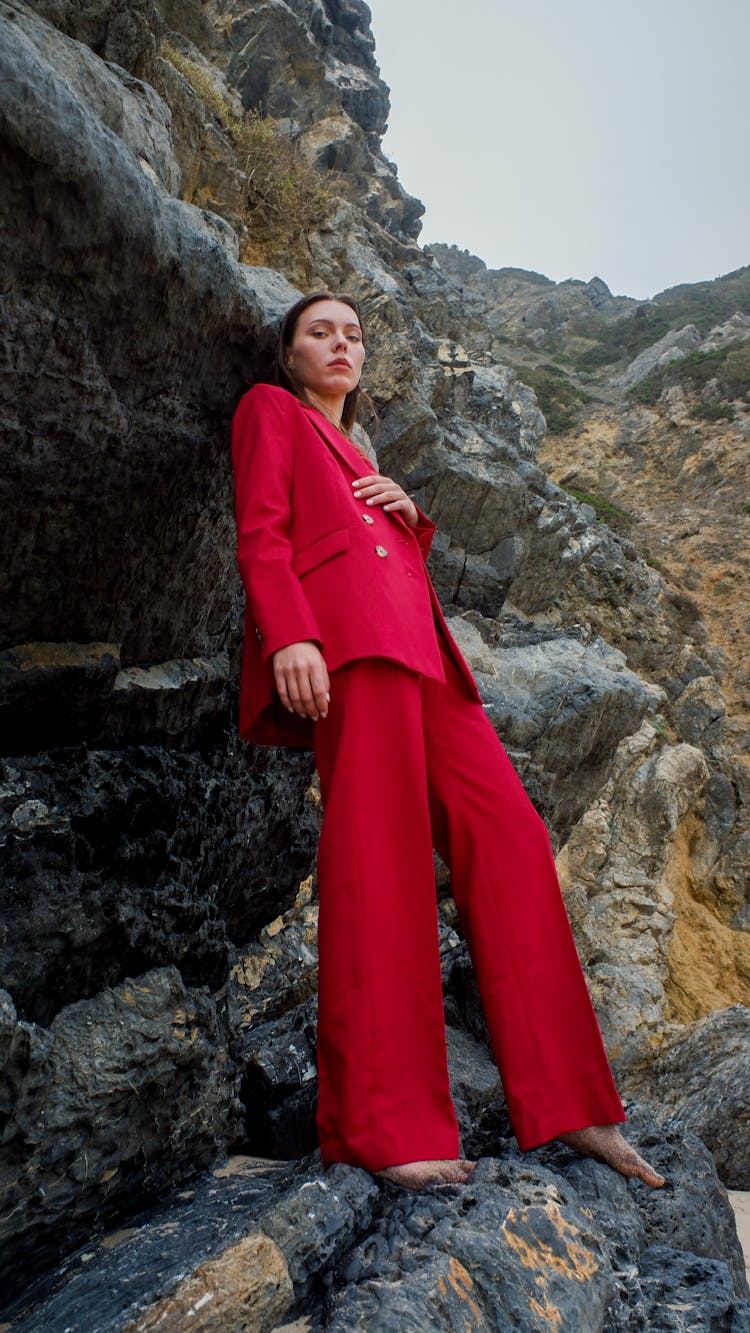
(634, 1165)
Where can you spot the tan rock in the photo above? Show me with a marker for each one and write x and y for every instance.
(247, 1289)
(617, 877)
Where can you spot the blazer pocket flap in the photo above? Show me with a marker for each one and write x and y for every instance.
(321, 549)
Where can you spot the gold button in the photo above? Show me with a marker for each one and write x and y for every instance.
(380, 550)
(367, 518)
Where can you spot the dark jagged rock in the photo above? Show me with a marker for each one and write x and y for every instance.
(545, 1238)
(118, 861)
(312, 67)
(121, 1097)
(682, 1292)
(280, 1084)
(312, 1220)
(116, 409)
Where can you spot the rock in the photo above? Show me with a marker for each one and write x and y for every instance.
(701, 711)
(636, 427)
(118, 464)
(253, 1234)
(735, 329)
(122, 32)
(472, 645)
(119, 861)
(246, 1287)
(122, 1096)
(313, 70)
(699, 1076)
(279, 970)
(682, 1292)
(476, 1090)
(517, 303)
(672, 347)
(547, 1238)
(568, 704)
(130, 108)
(280, 1083)
(673, 403)
(619, 871)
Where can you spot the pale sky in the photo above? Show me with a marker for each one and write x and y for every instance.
(575, 137)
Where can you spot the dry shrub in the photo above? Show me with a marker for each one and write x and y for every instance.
(284, 193)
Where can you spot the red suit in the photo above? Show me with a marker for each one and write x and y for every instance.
(407, 760)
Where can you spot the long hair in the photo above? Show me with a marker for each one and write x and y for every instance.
(356, 397)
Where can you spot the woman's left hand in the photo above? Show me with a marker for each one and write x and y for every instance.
(377, 490)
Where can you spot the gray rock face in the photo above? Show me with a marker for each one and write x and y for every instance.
(121, 31)
(672, 347)
(101, 380)
(571, 700)
(617, 872)
(699, 1075)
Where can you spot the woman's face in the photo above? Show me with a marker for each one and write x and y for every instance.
(326, 351)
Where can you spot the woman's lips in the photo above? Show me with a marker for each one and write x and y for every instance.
(340, 362)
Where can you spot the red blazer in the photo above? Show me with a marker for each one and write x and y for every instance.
(318, 564)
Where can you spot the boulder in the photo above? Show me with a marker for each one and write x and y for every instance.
(699, 1075)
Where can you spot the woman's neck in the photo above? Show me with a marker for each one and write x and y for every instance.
(330, 408)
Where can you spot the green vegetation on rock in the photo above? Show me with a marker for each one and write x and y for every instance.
(605, 510)
(729, 366)
(559, 399)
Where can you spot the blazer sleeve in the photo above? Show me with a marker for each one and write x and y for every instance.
(262, 458)
(424, 531)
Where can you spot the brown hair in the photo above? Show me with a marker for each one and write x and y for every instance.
(356, 396)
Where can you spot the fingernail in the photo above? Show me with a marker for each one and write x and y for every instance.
(328, 697)
(289, 710)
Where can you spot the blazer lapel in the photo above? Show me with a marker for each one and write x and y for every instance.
(337, 442)
(344, 450)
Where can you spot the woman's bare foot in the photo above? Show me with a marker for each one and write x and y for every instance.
(419, 1175)
(606, 1143)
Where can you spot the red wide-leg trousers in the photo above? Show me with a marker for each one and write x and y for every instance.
(407, 763)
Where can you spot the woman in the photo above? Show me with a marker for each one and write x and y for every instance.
(347, 652)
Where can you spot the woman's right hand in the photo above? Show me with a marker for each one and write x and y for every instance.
(301, 677)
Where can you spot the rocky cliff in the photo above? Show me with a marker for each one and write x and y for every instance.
(172, 173)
